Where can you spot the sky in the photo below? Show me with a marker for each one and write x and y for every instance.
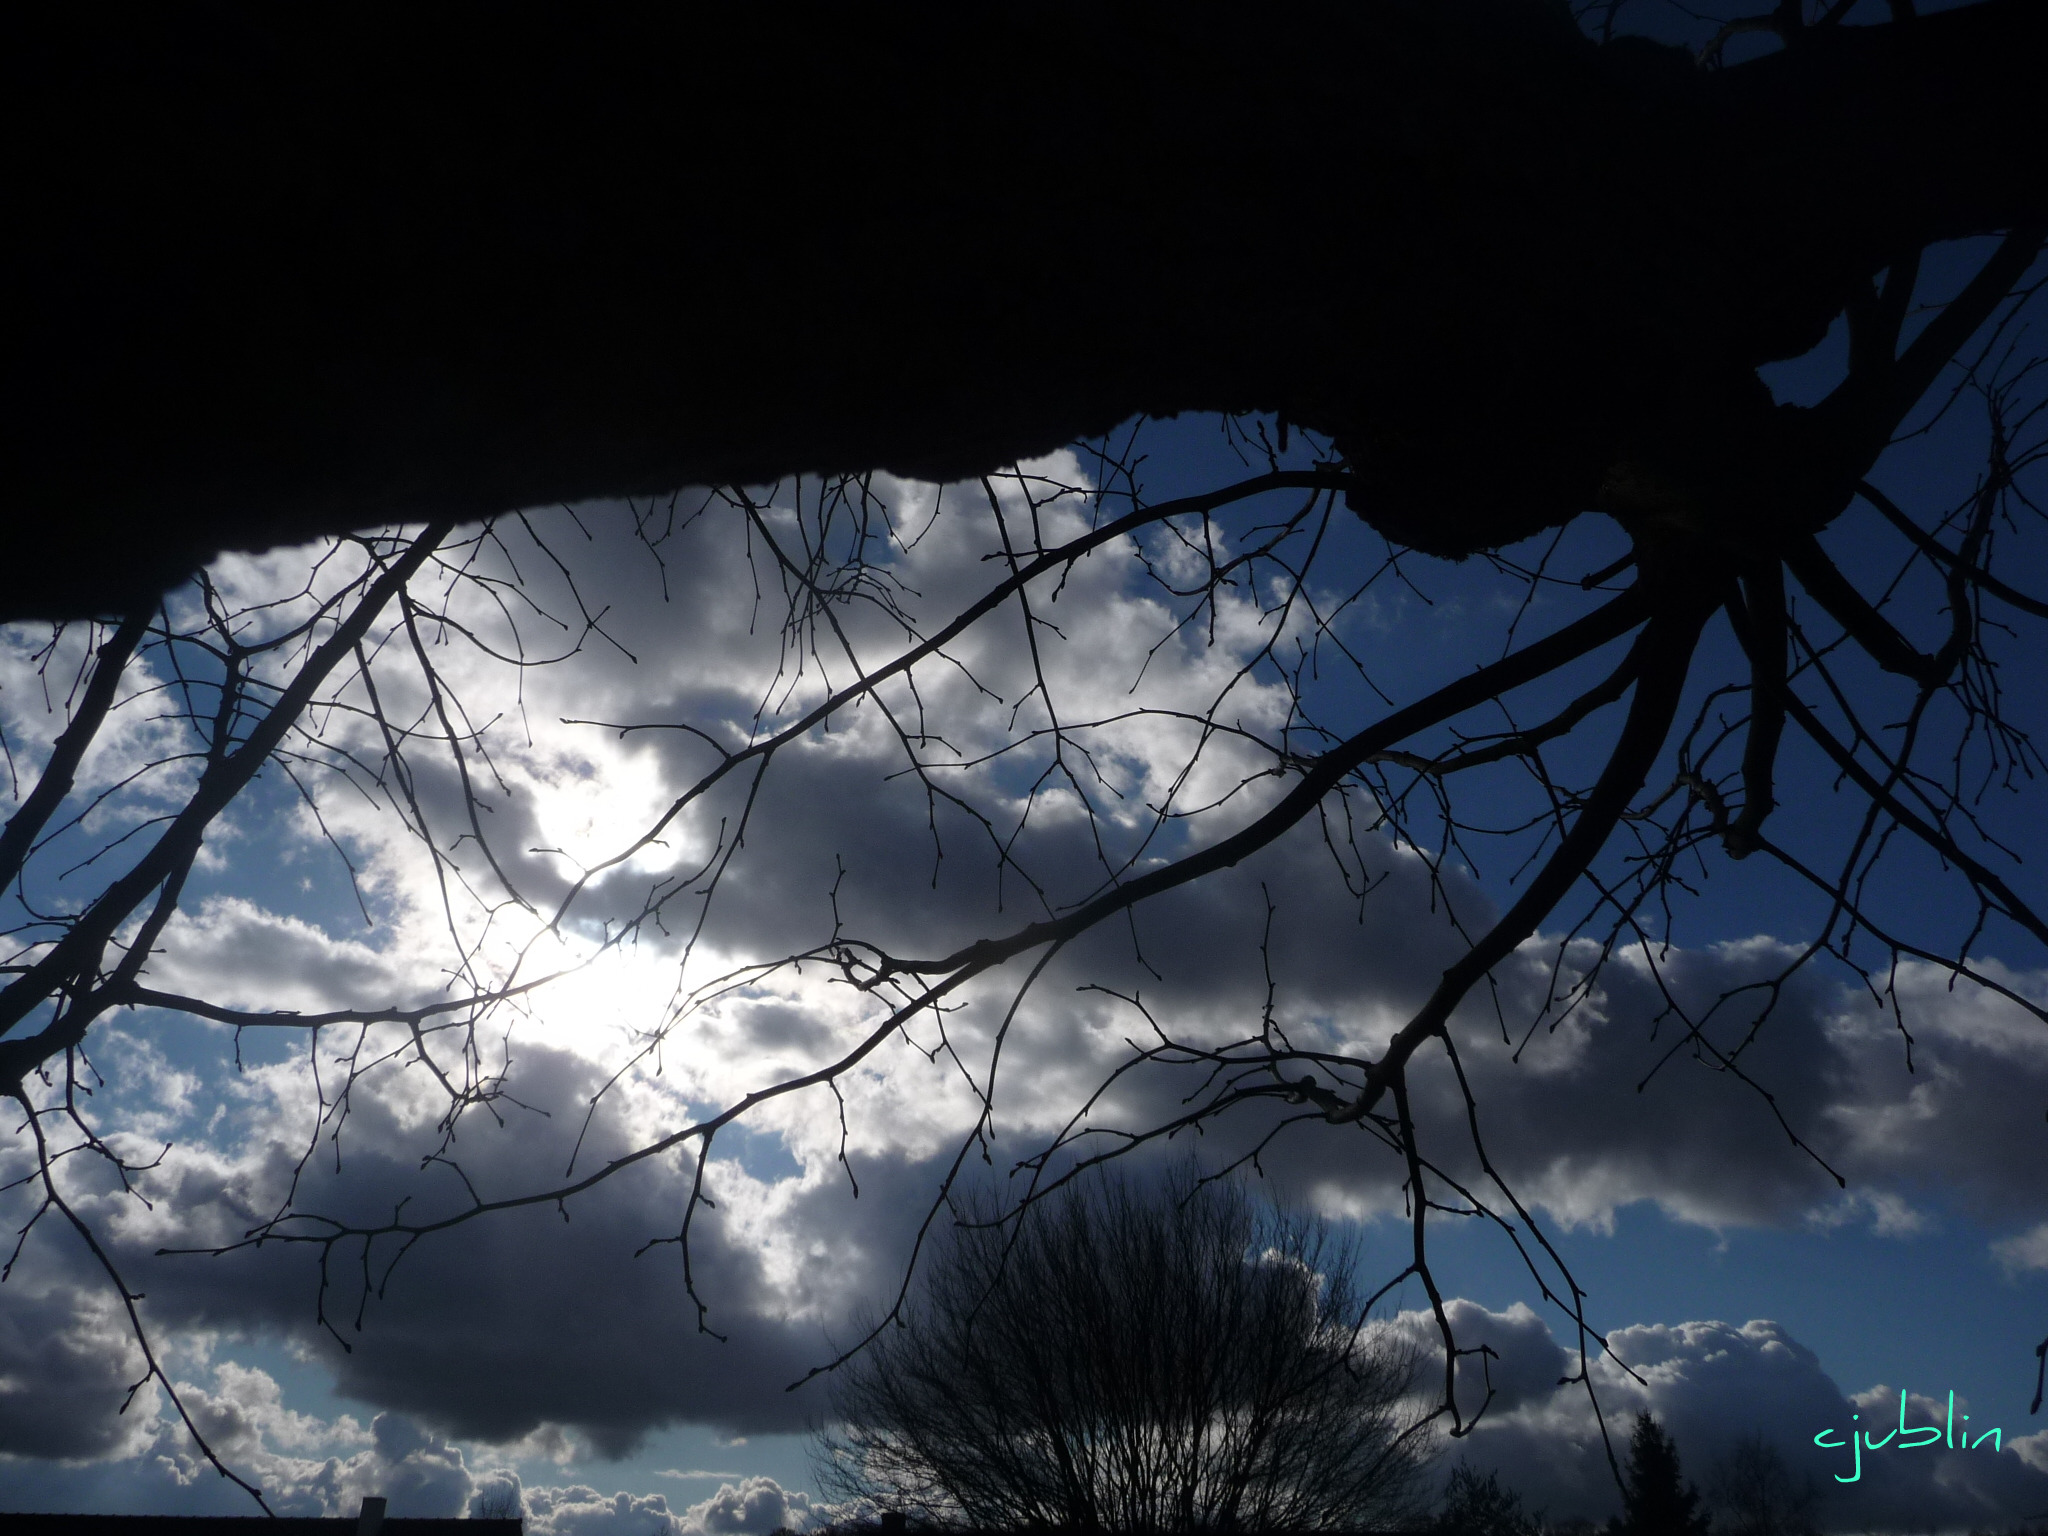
(549, 1353)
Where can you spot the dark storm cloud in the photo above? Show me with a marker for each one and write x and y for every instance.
(65, 1367)
(834, 810)
(1592, 1113)
(526, 1319)
(697, 646)
(522, 1319)
(1570, 1120)
(494, 1328)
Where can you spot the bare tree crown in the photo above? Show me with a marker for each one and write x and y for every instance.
(1131, 1359)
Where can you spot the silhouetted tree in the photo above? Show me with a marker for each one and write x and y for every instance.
(1656, 1500)
(1465, 271)
(1480, 1506)
(1118, 1359)
(498, 1499)
(1753, 1493)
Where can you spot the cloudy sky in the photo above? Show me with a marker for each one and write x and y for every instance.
(547, 1352)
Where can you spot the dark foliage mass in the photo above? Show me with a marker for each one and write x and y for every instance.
(1481, 1506)
(1753, 1493)
(1656, 1498)
(305, 270)
(1178, 1360)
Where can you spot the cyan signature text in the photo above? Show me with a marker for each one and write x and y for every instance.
(1952, 1437)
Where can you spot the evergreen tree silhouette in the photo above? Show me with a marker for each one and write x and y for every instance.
(1656, 1499)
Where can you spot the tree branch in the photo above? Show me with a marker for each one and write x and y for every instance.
(69, 750)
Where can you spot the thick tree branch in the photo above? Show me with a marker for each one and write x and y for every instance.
(222, 356)
(1666, 648)
(69, 750)
(175, 848)
(1976, 575)
(1935, 348)
(1979, 874)
(1766, 615)
(1850, 609)
(1576, 639)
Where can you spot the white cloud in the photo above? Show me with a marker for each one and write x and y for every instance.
(755, 1506)
(526, 1326)
(1711, 1384)
(305, 1465)
(237, 954)
(752, 1506)
(1523, 1368)
(2024, 1252)
(244, 1414)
